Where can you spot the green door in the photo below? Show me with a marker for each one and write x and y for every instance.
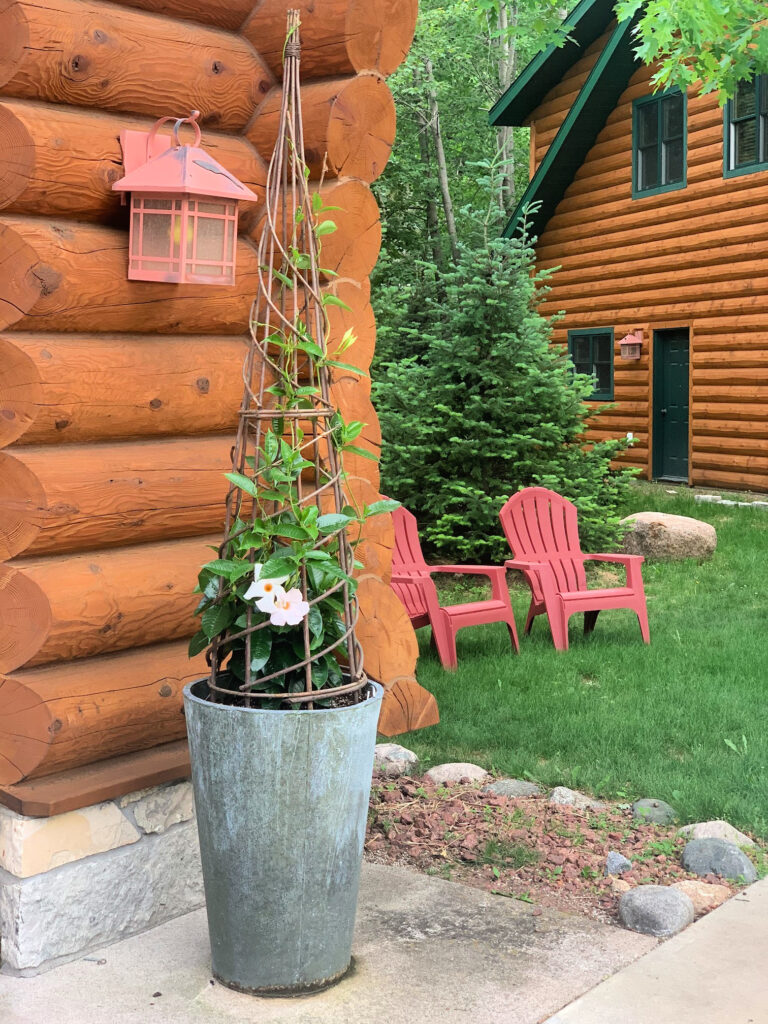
(670, 404)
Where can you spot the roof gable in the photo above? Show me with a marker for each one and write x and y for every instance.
(586, 22)
(598, 97)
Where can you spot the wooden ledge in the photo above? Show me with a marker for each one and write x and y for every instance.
(94, 783)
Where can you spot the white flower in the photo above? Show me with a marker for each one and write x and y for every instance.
(289, 608)
(264, 591)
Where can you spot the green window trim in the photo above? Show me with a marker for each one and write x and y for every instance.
(660, 150)
(731, 122)
(591, 351)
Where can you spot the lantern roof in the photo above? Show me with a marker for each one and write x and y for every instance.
(160, 164)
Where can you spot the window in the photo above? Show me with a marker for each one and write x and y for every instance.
(658, 143)
(746, 128)
(592, 352)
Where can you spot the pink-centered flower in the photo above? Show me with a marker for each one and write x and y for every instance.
(264, 592)
(289, 608)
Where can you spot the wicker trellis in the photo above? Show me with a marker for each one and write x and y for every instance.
(289, 301)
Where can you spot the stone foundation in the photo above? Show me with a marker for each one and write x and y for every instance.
(80, 880)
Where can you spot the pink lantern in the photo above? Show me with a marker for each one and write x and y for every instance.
(631, 344)
(183, 208)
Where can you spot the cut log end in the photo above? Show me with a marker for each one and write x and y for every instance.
(20, 392)
(14, 31)
(17, 157)
(407, 707)
(22, 507)
(380, 33)
(26, 730)
(20, 289)
(26, 618)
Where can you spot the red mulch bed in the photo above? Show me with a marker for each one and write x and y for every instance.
(525, 849)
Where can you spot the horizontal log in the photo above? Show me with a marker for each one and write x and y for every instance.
(338, 37)
(62, 162)
(124, 386)
(352, 250)
(349, 126)
(20, 392)
(94, 54)
(230, 15)
(111, 495)
(106, 601)
(702, 297)
(711, 425)
(93, 784)
(66, 716)
(73, 277)
(708, 477)
(736, 444)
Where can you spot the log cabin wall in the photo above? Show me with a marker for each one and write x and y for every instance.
(119, 399)
(691, 258)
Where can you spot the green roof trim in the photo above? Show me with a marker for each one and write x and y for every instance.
(586, 23)
(598, 97)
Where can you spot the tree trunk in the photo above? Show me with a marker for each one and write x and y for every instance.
(507, 68)
(442, 168)
(433, 227)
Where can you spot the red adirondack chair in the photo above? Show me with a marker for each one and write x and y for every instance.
(543, 533)
(412, 583)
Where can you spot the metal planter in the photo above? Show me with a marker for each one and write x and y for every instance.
(282, 803)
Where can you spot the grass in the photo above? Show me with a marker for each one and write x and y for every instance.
(683, 720)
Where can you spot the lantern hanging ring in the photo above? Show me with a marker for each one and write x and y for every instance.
(177, 123)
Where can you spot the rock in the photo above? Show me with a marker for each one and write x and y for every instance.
(619, 886)
(160, 808)
(707, 497)
(715, 830)
(718, 857)
(572, 798)
(667, 537)
(617, 863)
(392, 759)
(455, 772)
(655, 910)
(513, 787)
(30, 846)
(655, 812)
(102, 899)
(705, 896)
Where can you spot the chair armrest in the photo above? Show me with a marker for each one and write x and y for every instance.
(631, 563)
(516, 563)
(496, 573)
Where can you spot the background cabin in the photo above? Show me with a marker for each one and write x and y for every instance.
(655, 208)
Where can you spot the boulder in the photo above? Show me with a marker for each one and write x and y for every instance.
(655, 910)
(617, 863)
(666, 537)
(513, 787)
(715, 830)
(718, 857)
(456, 772)
(705, 896)
(654, 812)
(393, 760)
(572, 798)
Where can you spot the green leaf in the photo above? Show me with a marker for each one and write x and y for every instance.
(364, 453)
(271, 446)
(261, 649)
(316, 626)
(292, 531)
(216, 619)
(226, 567)
(282, 277)
(376, 508)
(345, 366)
(198, 643)
(327, 227)
(276, 567)
(242, 482)
(334, 300)
(333, 521)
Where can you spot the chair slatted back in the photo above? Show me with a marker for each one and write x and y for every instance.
(541, 526)
(408, 560)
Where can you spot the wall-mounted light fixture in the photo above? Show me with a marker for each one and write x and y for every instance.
(183, 208)
(631, 344)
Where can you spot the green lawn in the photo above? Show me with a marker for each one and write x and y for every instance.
(684, 720)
